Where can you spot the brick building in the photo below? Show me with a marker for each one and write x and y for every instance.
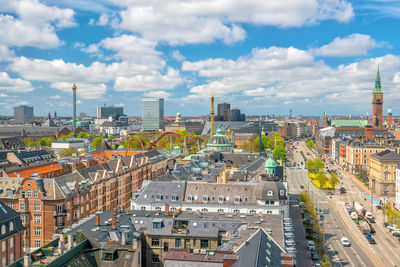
(11, 235)
(48, 205)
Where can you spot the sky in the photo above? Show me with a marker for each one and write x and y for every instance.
(264, 57)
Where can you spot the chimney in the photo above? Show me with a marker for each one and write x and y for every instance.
(134, 243)
(166, 208)
(123, 238)
(97, 219)
(70, 241)
(61, 243)
(27, 261)
(114, 220)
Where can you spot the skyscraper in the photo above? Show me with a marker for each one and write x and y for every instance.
(23, 115)
(153, 113)
(223, 111)
(105, 112)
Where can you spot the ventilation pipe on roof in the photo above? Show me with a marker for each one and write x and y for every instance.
(27, 261)
(123, 238)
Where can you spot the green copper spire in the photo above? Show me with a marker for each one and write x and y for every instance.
(378, 87)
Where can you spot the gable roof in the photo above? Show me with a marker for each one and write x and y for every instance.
(386, 155)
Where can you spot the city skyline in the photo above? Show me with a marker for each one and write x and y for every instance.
(259, 58)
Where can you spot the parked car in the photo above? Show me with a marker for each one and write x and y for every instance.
(311, 245)
(288, 229)
(368, 215)
(288, 235)
(329, 193)
(345, 242)
(396, 233)
(287, 224)
(287, 220)
(290, 243)
(342, 190)
(347, 205)
(291, 250)
(314, 256)
(371, 220)
(301, 186)
(370, 239)
(379, 207)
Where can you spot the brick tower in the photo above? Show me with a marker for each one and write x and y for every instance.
(377, 103)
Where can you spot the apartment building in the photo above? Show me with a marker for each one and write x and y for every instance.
(49, 205)
(383, 173)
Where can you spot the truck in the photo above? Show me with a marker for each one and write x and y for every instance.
(358, 207)
(365, 228)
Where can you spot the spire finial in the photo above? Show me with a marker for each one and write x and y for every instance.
(378, 87)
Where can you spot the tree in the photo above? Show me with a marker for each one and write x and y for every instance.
(46, 141)
(85, 135)
(310, 165)
(319, 164)
(110, 137)
(334, 180)
(68, 152)
(309, 143)
(96, 142)
(279, 153)
(321, 178)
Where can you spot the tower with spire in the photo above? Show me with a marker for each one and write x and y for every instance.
(377, 103)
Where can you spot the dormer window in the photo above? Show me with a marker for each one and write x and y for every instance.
(282, 192)
(174, 197)
(270, 193)
(190, 197)
(205, 198)
(221, 199)
(237, 199)
(159, 197)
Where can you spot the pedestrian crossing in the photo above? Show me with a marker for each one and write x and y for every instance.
(326, 202)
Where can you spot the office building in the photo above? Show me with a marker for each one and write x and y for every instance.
(223, 111)
(105, 112)
(23, 115)
(153, 113)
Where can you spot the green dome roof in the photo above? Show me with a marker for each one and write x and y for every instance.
(178, 114)
(270, 163)
(390, 110)
(219, 142)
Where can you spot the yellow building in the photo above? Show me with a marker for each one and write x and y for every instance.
(383, 172)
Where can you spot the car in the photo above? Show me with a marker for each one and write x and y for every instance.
(396, 233)
(342, 190)
(379, 207)
(291, 250)
(314, 256)
(371, 241)
(311, 245)
(287, 224)
(301, 186)
(348, 206)
(317, 265)
(368, 215)
(345, 242)
(329, 193)
(371, 220)
(391, 227)
(289, 235)
(290, 243)
(288, 229)
(287, 220)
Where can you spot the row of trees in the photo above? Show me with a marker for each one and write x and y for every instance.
(275, 142)
(316, 172)
(309, 143)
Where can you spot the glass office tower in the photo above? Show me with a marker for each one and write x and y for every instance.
(153, 113)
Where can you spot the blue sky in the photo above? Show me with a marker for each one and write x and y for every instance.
(264, 57)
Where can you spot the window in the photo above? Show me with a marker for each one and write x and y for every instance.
(204, 210)
(236, 211)
(37, 243)
(194, 242)
(26, 243)
(188, 209)
(60, 220)
(155, 241)
(29, 194)
(23, 218)
(237, 199)
(35, 194)
(76, 213)
(21, 206)
(11, 242)
(246, 199)
(38, 231)
(252, 211)
(142, 208)
(174, 197)
(158, 208)
(11, 226)
(155, 259)
(189, 197)
(159, 197)
(177, 243)
(3, 246)
(37, 207)
(3, 229)
(220, 210)
(157, 225)
(166, 246)
(205, 198)
(221, 199)
(107, 256)
(282, 192)
(203, 244)
(11, 257)
(270, 193)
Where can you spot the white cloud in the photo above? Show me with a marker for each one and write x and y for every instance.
(6, 54)
(55, 97)
(14, 85)
(34, 23)
(194, 21)
(120, 105)
(178, 56)
(157, 94)
(3, 95)
(85, 90)
(352, 45)
(275, 75)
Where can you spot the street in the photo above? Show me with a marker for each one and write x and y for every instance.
(333, 228)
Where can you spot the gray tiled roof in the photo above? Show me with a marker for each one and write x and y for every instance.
(165, 190)
(386, 155)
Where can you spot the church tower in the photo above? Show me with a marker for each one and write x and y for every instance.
(377, 103)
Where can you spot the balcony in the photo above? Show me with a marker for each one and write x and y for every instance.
(59, 213)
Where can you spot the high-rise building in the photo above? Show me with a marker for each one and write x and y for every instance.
(235, 115)
(23, 115)
(377, 103)
(153, 113)
(105, 112)
(223, 111)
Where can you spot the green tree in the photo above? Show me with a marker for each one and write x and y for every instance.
(310, 166)
(279, 153)
(85, 135)
(277, 139)
(322, 179)
(110, 137)
(46, 141)
(319, 164)
(334, 179)
(96, 142)
(68, 152)
(309, 143)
